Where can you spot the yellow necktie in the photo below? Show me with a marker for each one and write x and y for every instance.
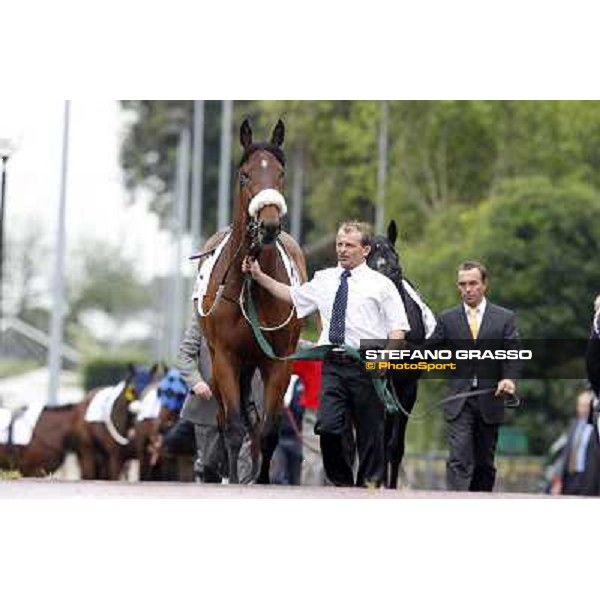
(472, 314)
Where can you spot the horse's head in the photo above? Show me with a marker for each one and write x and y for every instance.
(138, 379)
(383, 256)
(260, 184)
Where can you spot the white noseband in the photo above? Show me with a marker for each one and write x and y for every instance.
(264, 198)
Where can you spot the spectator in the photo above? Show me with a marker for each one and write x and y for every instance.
(581, 456)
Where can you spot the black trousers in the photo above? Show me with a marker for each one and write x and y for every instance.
(472, 443)
(179, 439)
(349, 400)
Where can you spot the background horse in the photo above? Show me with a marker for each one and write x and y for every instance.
(51, 440)
(234, 351)
(105, 446)
(384, 258)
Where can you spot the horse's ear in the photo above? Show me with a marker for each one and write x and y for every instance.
(246, 134)
(392, 232)
(130, 370)
(154, 368)
(278, 134)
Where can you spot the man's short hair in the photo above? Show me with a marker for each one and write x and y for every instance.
(365, 230)
(467, 265)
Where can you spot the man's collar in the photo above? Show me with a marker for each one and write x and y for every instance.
(356, 270)
(480, 308)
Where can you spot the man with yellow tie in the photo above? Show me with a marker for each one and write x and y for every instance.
(472, 419)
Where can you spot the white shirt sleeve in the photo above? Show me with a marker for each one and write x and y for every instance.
(392, 308)
(305, 296)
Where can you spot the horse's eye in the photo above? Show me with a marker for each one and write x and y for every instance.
(282, 175)
(244, 179)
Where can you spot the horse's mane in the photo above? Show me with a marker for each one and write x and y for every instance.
(276, 151)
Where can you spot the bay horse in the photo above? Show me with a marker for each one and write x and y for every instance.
(384, 258)
(51, 440)
(104, 446)
(258, 209)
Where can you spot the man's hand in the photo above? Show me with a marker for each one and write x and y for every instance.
(506, 386)
(250, 265)
(278, 289)
(396, 340)
(202, 390)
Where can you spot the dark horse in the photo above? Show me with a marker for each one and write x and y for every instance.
(105, 445)
(384, 258)
(234, 351)
(51, 440)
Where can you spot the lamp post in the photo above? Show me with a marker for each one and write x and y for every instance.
(6, 149)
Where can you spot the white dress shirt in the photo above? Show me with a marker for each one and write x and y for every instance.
(374, 309)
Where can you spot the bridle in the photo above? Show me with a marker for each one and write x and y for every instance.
(257, 236)
(395, 272)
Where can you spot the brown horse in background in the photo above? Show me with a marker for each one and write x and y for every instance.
(234, 350)
(105, 446)
(51, 440)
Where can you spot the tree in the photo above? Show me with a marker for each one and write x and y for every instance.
(26, 264)
(149, 151)
(107, 283)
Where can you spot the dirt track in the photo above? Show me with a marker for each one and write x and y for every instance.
(47, 489)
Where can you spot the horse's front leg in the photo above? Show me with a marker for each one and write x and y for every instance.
(395, 430)
(85, 451)
(226, 383)
(110, 468)
(115, 465)
(276, 377)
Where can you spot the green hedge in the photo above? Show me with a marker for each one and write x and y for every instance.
(99, 372)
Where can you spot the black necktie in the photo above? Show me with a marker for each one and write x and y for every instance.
(337, 327)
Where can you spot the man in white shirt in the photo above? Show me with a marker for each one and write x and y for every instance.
(355, 302)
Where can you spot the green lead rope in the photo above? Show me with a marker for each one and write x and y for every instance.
(389, 400)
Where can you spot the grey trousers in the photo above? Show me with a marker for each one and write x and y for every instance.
(211, 466)
(472, 444)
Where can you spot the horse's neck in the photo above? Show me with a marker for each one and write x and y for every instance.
(413, 313)
(238, 241)
(119, 414)
(240, 222)
(270, 262)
